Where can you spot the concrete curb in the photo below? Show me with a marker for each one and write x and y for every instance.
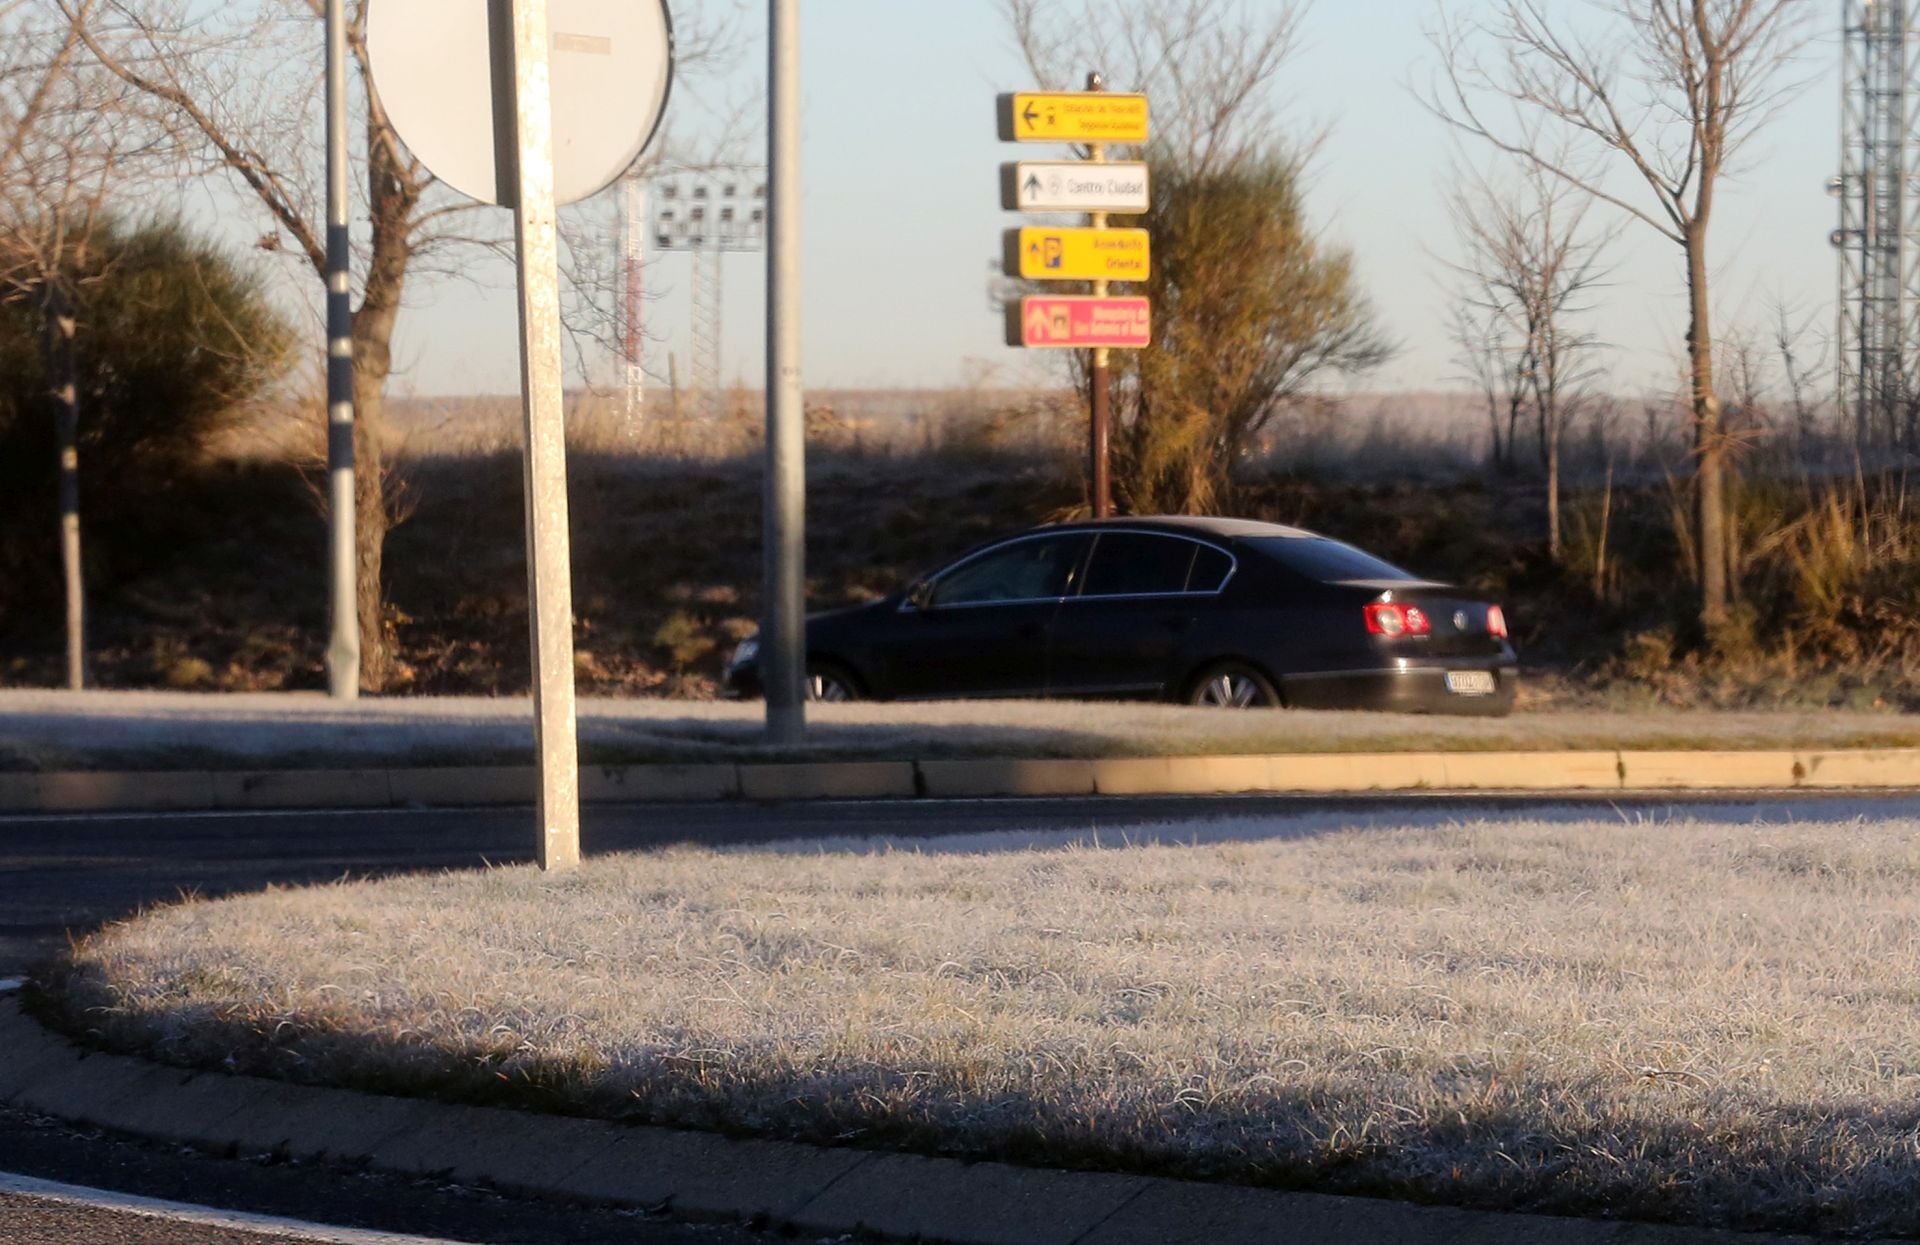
(1331, 773)
(705, 1177)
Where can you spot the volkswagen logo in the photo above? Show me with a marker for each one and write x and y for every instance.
(1459, 620)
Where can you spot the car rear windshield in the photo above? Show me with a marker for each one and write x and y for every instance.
(1325, 560)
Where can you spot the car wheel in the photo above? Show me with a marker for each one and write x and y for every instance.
(1233, 685)
(830, 684)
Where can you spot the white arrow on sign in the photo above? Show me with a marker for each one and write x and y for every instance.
(1074, 186)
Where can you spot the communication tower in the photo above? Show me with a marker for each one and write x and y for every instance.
(1879, 234)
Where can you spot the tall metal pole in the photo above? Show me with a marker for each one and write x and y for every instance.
(1101, 430)
(60, 326)
(523, 134)
(343, 644)
(783, 654)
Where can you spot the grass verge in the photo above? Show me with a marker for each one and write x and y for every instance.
(41, 732)
(1694, 1022)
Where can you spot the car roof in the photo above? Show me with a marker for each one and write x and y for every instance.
(1219, 528)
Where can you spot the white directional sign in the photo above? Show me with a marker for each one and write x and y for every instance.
(434, 62)
(1074, 186)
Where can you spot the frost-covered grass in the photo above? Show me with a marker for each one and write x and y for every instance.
(46, 730)
(1688, 1020)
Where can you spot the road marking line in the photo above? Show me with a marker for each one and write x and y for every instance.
(233, 814)
(205, 1216)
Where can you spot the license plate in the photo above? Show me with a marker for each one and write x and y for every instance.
(1470, 682)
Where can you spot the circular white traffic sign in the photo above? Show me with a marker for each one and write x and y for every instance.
(611, 69)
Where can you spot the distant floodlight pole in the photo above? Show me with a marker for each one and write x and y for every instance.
(709, 215)
(784, 657)
(343, 643)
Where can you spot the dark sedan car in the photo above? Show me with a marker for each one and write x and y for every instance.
(1206, 611)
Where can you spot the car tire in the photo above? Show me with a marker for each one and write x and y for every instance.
(1232, 685)
(830, 682)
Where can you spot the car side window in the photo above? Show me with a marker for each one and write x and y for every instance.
(1138, 564)
(1027, 570)
(1210, 570)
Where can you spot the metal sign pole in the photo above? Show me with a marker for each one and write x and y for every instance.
(524, 169)
(343, 644)
(784, 655)
(1100, 428)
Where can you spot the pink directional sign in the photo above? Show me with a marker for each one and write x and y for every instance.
(1083, 323)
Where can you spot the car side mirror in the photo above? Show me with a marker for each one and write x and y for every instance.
(920, 596)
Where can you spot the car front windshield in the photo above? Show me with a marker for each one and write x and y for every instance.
(1327, 561)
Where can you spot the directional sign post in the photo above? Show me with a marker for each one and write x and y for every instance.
(1074, 186)
(1094, 254)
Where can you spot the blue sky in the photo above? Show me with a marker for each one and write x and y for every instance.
(902, 216)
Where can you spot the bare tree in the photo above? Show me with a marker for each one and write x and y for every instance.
(245, 83)
(1528, 261)
(1210, 66)
(1806, 367)
(1670, 91)
(1484, 349)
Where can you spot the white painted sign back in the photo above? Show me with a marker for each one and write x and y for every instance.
(1074, 186)
(612, 67)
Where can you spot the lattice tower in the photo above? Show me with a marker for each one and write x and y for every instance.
(1879, 234)
(709, 330)
(708, 215)
(633, 344)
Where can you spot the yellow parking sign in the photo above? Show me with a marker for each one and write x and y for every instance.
(1078, 254)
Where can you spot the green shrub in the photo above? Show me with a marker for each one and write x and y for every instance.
(174, 339)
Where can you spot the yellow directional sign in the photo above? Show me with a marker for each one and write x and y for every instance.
(1078, 254)
(1072, 117)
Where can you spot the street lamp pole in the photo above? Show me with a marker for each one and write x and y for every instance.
(783, 657)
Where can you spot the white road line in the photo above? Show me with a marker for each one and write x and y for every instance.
(204, 1216)
(233, 814)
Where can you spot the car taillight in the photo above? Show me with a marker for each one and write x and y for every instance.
(1398, 620)
(1496, 622)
